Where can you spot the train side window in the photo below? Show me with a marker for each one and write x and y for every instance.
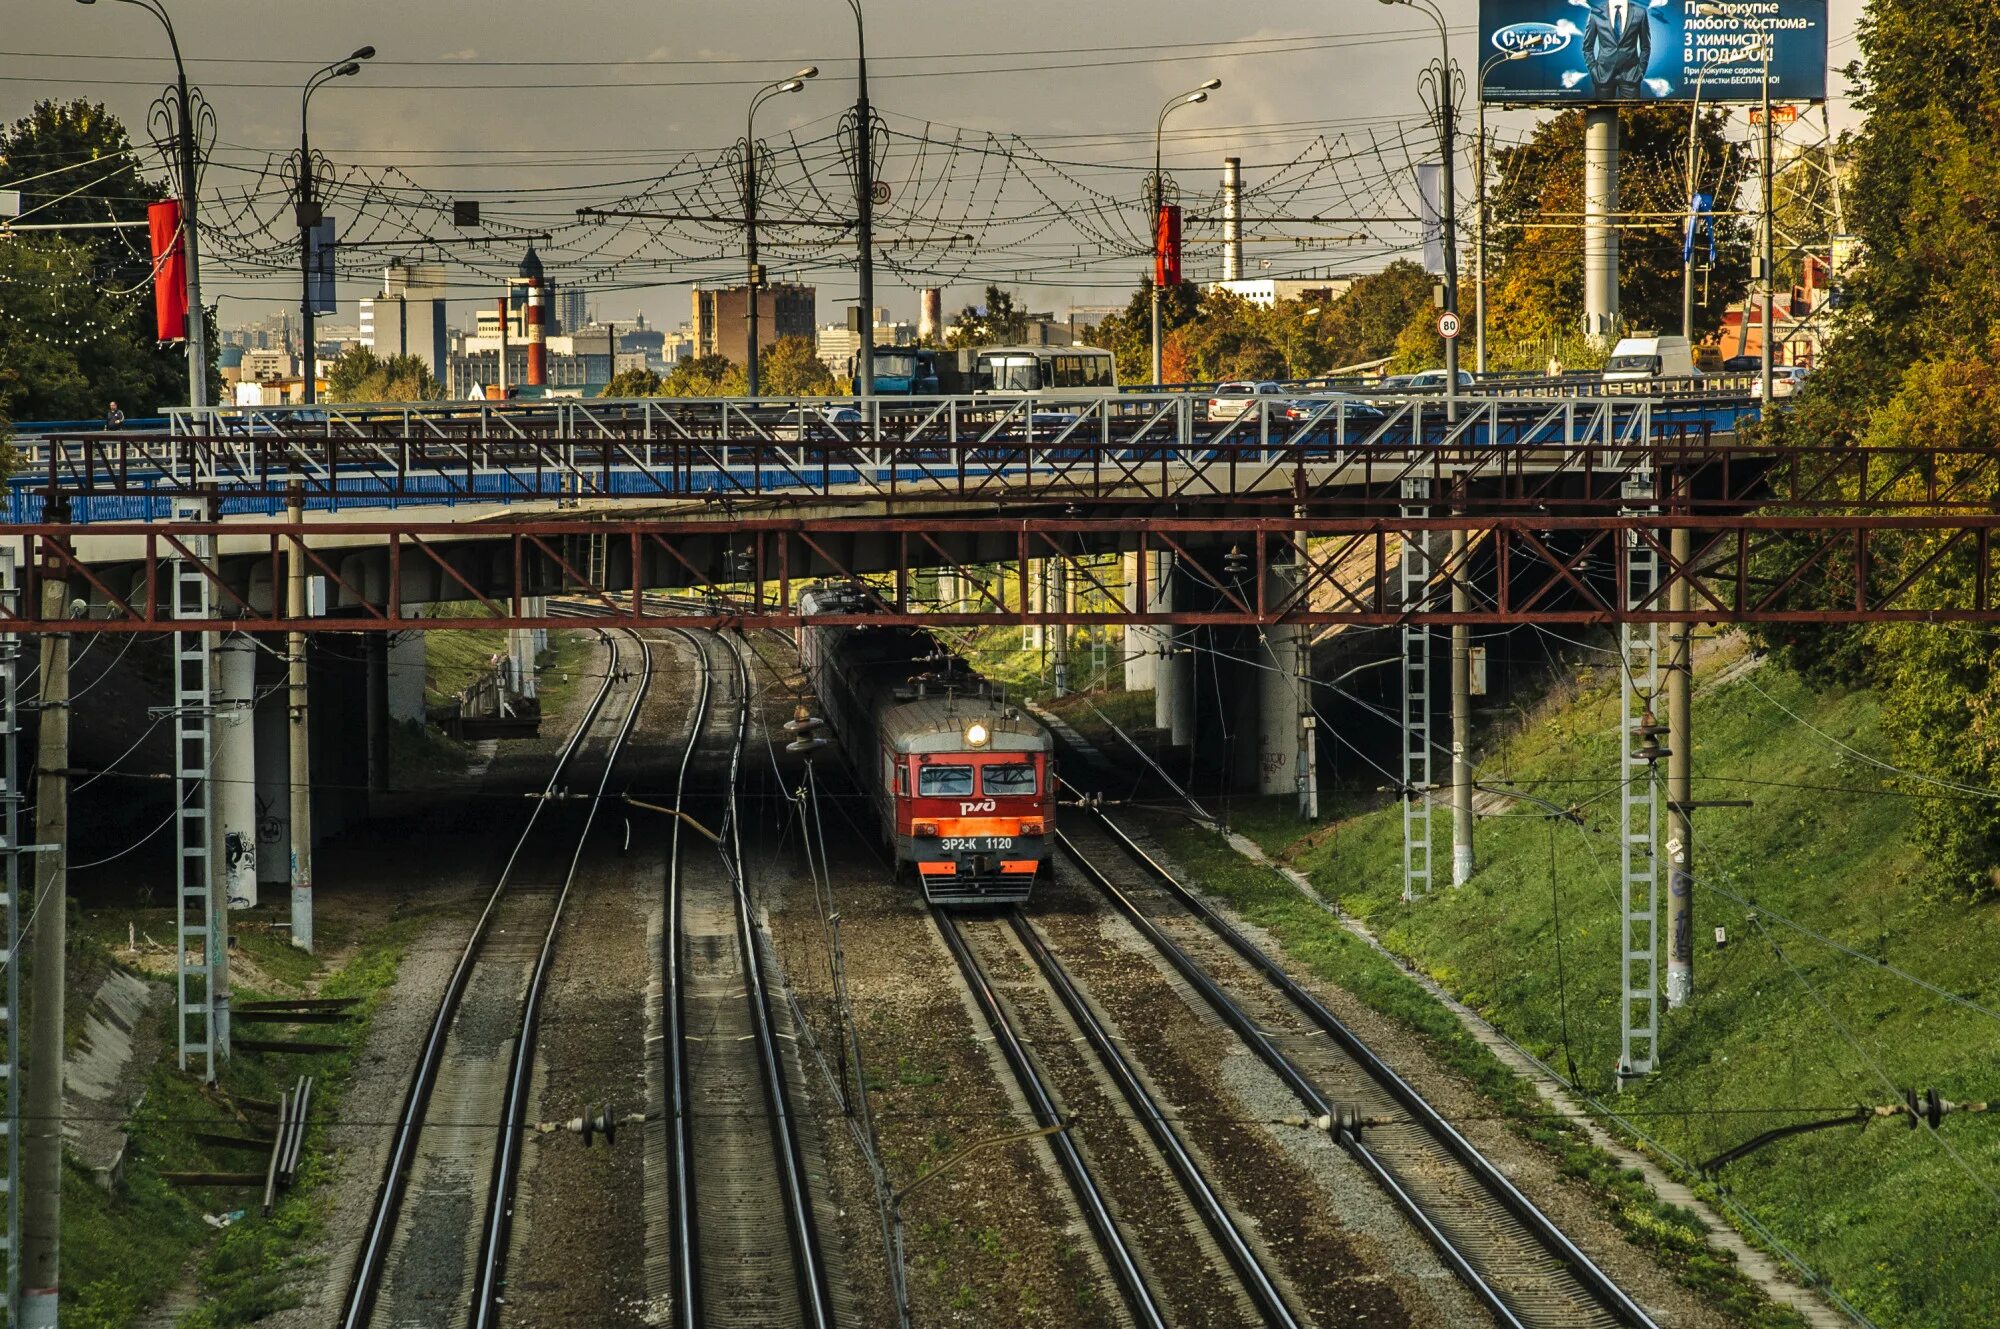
(902, 778)
(1008, 781)
(944, 781)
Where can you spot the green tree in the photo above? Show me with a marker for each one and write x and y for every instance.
(704, 376)
(792, 368)
(998, 322)
(1129, 335)
(634, 383)
(1535, 242)
(76, 164)
(359, 375)
(67, 347)
(1917, 363)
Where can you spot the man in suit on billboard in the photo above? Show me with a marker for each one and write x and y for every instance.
(1617, 47)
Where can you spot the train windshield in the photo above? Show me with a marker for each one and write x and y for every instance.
(944, 781)
(1009, 780)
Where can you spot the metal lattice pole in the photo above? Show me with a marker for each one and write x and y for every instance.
(1413, 573)
(10, 847)
(1639, 812)
(200, 916)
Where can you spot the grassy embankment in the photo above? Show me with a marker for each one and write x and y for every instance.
(1784, 1028)
(124, 1252)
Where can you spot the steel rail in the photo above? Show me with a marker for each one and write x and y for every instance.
(810, 1266)
(680, 1140)
(491, 1271)
(1256, 1280)
(1599, 1285)
(362, 1286)
(1096, 1212)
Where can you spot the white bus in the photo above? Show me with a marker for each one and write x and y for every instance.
(1045, 371)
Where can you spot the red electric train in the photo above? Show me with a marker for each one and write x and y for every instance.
(962, 782)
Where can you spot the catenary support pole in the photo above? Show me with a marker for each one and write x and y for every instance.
(41, 1180)
(1059, 635)
(1600, 235)
(1461, 713)
(301, 750)
(1680, 783)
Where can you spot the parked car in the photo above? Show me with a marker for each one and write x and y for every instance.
(1742, 364)
(1333, 404)
(1787, 379)
(1231, 400)
(1430, 380)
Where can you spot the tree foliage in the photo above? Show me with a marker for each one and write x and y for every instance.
(1001, 321)
(704, 376)
(792, 368)
(1917, 363)
(360, 375)
(76, 312)
(1210, 336)
(633, 383)
(1535, 241)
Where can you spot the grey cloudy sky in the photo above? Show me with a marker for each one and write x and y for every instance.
(504, 95)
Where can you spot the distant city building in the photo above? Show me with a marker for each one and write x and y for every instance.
(262, 366)
(837, 344)
(572, 310)
(721, 322)
(1267, 291)
(408, 317)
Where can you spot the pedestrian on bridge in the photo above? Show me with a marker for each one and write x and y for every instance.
(113, 417)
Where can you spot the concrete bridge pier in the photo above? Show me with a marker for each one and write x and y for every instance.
(234, 772)
(1059, 601)
(1140, 650)
(1283, 696)
(1034, 637)
(1173, 675)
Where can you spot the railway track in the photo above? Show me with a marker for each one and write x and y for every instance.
(434, 1251)
(1256, 1297)
(745, 1249)
(1510, 1254)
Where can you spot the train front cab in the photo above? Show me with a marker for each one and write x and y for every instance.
(975, 824)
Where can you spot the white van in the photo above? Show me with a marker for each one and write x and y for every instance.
(1635, 358)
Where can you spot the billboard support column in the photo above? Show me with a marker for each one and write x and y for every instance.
(1600, 231)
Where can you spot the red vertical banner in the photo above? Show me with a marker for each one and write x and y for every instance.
(1167, 270)
(170, 309)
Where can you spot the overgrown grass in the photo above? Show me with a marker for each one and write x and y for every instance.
(122, 1253)
(1784, 1028)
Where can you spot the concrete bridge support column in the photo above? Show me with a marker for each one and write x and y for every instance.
(1173, 680)
(376, 645)
(949, 595)
(272, 740)
(235, 776)
(1060, 636)
(1034, 637)
(407, 660)
(1283, 694)
(1600, 232)
(1141, 647)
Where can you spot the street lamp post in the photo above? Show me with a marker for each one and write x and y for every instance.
(1157, 189)
(756, 277)
(1479, 211)
(864, 199)
(186, 160)
(309, 212)
(1445, 83)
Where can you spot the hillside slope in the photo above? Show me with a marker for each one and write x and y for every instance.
(1785, 1027)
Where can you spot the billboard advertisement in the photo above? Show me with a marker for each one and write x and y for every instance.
(1586, 52)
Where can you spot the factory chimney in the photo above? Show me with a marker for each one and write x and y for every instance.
(930, 313)
(1232, 219)
(538, 348)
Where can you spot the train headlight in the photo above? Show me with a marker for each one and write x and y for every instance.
(976, 734)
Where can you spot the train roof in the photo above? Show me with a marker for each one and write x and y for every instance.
(937, 724)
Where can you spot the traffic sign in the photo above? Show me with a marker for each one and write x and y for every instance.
(879, 192)
(1447, 325)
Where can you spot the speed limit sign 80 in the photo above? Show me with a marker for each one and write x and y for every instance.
(1447, 325)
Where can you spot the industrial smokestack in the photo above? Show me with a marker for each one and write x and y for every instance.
(538, 346)
(930, 313)
(505, 314)
(1232, 219)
